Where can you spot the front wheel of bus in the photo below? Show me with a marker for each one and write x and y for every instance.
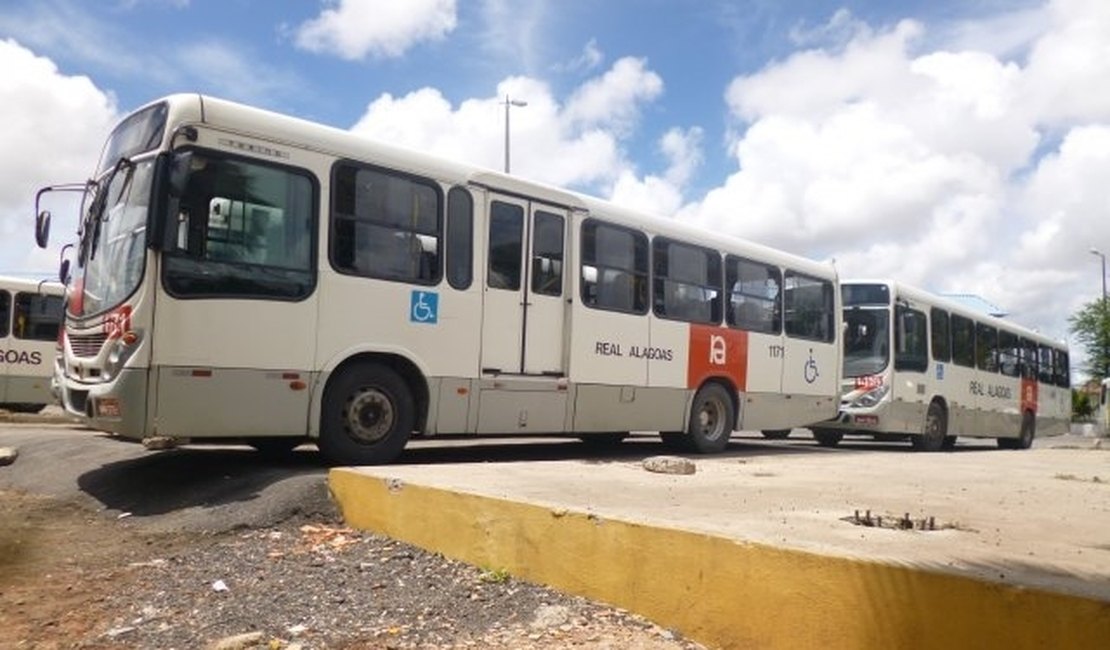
(711, 420)
(828, 437)
(934, 432)
(368, 415)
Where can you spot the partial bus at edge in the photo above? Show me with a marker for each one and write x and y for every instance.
(929, 369)
(30, 318)
(248, 275)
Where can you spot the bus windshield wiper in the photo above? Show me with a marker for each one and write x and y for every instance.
(97, 211)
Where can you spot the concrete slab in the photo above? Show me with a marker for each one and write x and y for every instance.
(1021, 536)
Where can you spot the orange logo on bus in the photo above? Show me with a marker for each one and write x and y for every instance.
(717, 352)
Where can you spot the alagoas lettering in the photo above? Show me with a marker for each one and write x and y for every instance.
(15, 357)
(610, 349)
(661, 354)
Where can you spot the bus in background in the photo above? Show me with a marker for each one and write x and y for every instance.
(30, 321)
(924, 367)
(247, 275)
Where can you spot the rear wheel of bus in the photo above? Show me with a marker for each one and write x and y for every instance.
(827, 437)
(1025, 438)
(368, 416)
(712, 419)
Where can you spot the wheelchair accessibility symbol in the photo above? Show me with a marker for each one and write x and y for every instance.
(810, 372)
(424, 307)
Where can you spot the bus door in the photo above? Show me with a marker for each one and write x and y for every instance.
(524, 306)
(524, 315)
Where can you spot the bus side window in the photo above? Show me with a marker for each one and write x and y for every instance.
(5, 312)
(755, 295)
(940, 336)
(909, 340)
(460, 238)
(37, 318)
(963, 341)
(808, 306)
(986, 347)
(614, 268)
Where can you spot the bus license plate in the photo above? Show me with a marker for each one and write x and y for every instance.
(107, 408)
(867, 419)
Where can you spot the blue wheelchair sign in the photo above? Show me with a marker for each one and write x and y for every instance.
(424, 307)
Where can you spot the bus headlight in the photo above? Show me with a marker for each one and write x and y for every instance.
(870, 398)
(119, 351)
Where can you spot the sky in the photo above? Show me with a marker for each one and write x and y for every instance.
(962, 146)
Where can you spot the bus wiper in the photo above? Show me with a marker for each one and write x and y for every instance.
(97, 214)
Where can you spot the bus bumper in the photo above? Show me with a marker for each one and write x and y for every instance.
(118, 406)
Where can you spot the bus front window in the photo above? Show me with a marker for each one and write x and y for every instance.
(866, 341)
(113, 239)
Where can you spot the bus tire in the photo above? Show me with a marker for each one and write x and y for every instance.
(827, 437)
(712, 419)
(934, 432)
(1025, 438)
(367, 417)
(776, 434)
(24, 408)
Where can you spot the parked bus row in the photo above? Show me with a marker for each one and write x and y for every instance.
(243, 274)
(30, 316)
(931, 369)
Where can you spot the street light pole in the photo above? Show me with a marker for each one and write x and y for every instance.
(1105, 336)
(509, 103)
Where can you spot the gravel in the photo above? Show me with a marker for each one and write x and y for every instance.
(322, 585)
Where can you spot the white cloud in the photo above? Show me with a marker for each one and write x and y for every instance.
(355, 29)
(573, 144)
(55, 125)
(662, 195)
(590, 57)
(954, 169)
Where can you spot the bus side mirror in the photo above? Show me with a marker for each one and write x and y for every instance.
(42, 228)
(63, 272)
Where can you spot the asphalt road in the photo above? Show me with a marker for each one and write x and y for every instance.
(214, 489)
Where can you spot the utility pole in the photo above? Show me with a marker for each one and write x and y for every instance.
(509, 103)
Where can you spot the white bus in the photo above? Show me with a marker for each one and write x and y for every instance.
(30, 318)
(243, 274)
(927, 368)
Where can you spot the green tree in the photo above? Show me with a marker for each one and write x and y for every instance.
(1091, 327)
(1081, 407)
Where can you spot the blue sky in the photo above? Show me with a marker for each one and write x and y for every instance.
(960, 145)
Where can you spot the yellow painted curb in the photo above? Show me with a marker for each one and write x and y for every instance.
(718, 591)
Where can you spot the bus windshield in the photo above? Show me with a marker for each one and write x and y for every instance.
(866, 341)
(111, 257)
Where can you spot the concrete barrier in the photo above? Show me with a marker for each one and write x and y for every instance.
(722, 592)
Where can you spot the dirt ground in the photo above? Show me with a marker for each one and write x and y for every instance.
(71, 577)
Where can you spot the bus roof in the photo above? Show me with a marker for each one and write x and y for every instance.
(296, 132)
(924, 297)
(28, 285)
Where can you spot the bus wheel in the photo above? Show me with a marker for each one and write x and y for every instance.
(1025, 440)
(935, 430)
(827, 437)
(776, 434)
(368, 416)
(275, 446)
(24, 408)
(711, 420)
